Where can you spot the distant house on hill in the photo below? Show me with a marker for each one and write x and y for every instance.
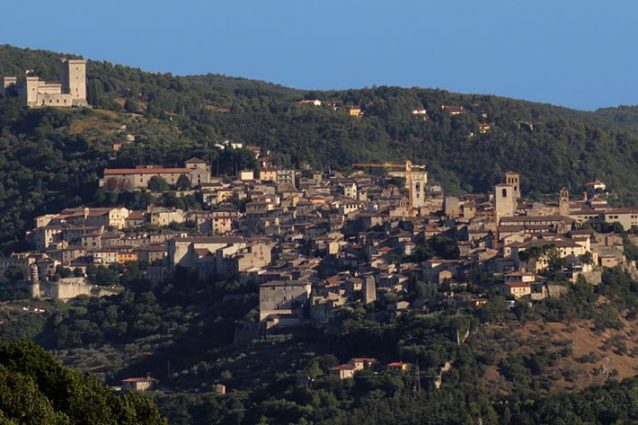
(453, 110)
(311, 102)
(596, 185)
(355, 112)
(138, 384)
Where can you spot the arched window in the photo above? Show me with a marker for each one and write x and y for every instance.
(504, 193)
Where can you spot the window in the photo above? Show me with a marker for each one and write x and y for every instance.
(504, 193)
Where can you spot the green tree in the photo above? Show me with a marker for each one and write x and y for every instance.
(132, 106)
(35, 389)
(158, 184)
(183, 183)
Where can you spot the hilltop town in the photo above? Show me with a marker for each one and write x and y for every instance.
(257, 254)
(317, 242)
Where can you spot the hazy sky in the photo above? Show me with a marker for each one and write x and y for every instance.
(578, 53)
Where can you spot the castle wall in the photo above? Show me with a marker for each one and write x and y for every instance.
(70, 91)
(58, 100)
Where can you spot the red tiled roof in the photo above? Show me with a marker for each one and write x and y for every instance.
(518, 285)
(155, 170)
(135, 215)
(333, 280)
(148, 379)
(594, 183)
(343, 367)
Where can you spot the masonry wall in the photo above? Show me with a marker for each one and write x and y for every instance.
(280, 299)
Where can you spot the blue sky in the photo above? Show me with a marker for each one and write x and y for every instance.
(580, 54)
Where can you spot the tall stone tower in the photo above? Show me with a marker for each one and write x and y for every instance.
(514, 180)
(8, 83)
(34, 278)
(563, 202)
(31, 85)
(73, 75)
(504, 201)
(369, 289)
(419, 183)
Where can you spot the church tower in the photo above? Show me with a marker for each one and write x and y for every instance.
(504, 201)
(419, 184)
(514, 179)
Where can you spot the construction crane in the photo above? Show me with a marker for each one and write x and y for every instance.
(405, 166)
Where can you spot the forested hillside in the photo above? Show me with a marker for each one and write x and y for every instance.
(562, 360)
(35, 389)
(182, 116)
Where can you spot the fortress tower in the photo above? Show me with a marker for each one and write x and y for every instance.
(73, 77)
(8, 83)
(69, 92)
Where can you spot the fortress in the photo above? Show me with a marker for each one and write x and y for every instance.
(70, 91)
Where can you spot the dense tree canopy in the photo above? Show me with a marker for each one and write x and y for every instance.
(35, 389)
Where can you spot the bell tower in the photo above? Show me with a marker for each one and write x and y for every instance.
(514, 179)
(504, 201)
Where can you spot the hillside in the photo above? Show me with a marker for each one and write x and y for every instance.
(513, 366)
(182, 116)
(35, 389)
(467, 350)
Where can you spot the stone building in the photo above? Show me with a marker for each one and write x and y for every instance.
(197, 171)
(282, 297)
(138, 384)
(69, 92)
